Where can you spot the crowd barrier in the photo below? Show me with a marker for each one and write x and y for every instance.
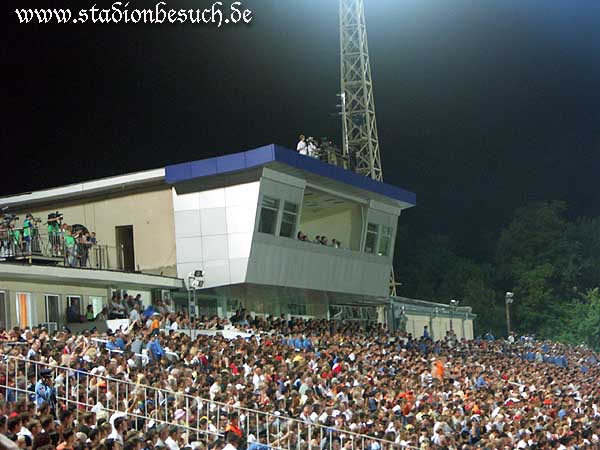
(203, 418)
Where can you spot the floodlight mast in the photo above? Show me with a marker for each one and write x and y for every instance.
(361, 141)
(359, 125)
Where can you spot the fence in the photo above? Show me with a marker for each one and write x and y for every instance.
(52, 245)
(203, 418)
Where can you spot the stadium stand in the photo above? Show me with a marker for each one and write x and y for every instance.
(291, 384)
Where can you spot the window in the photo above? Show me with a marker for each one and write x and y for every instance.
(3, 314)
(385, 240)
(52, 308)
(297, 310)
(267, 222)
(24, 309)
(371, 239)
(288, 220)
(97, 305)
(74, 301)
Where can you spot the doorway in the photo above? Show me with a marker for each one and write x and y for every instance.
(125, 250)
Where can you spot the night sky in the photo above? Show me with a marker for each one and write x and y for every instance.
(482, 106)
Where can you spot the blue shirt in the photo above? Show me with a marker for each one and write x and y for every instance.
(111, 346)
(155, 348)
(120, 343)
(43, 393)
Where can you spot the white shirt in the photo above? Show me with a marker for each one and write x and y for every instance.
(134, 315)
(174, 326)
(116, 436)
(229, 447)
(302, 149)
(171, 443)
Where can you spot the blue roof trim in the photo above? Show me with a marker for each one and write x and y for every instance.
(275, 153)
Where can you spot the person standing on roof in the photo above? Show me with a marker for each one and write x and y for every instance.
(302, 146)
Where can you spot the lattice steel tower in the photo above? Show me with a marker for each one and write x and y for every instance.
(360, 138)
(361, 142)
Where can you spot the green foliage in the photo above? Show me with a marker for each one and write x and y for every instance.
(541, 256)
(583, 321)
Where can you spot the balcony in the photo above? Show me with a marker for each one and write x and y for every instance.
(52, 250)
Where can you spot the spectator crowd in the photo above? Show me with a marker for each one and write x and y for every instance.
(317, 384)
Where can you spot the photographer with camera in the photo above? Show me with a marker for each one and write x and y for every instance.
(28, 225)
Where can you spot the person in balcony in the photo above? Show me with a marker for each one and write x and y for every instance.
(117, 310)
(83, 246)
(70, 247)
(27, 232)
(73, 314)
(89, 313)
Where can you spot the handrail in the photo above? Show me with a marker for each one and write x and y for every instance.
(254, 420)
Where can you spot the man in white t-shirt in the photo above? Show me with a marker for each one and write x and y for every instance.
(233, 441)
(302, 146)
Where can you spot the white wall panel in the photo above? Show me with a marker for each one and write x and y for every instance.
(187, 223)
(216, 273)
(239, 245)
(217, 229)
(214, 198)
(213, 221)
(237, 269)
(189, 249)
(214, 247)
(241, 218)
(186, 202)
(241, 194)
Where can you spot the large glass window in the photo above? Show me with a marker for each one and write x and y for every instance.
(371, 238)
(52, 308)
(289, 220)
(267, 222)
(385, 240)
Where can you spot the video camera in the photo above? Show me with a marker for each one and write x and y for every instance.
(7, 219)
(55, 217)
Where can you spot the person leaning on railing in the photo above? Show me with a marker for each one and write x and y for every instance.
(70, 247)
(54, 232)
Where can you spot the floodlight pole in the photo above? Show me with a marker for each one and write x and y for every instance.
(508, 300)
(359, 125)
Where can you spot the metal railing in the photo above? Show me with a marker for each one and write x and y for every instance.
(206, 419)
(52, 246)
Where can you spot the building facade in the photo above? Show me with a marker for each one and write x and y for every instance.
(237, 218)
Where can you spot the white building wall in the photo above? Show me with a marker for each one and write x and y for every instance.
(213, 231)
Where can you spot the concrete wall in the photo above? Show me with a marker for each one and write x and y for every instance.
(149, 212)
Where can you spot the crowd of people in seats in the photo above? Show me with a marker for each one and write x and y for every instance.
(327, 379)
(321, 240)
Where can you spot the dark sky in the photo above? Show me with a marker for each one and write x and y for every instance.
(482, 105)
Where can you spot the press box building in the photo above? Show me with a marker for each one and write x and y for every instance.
(236, 218)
